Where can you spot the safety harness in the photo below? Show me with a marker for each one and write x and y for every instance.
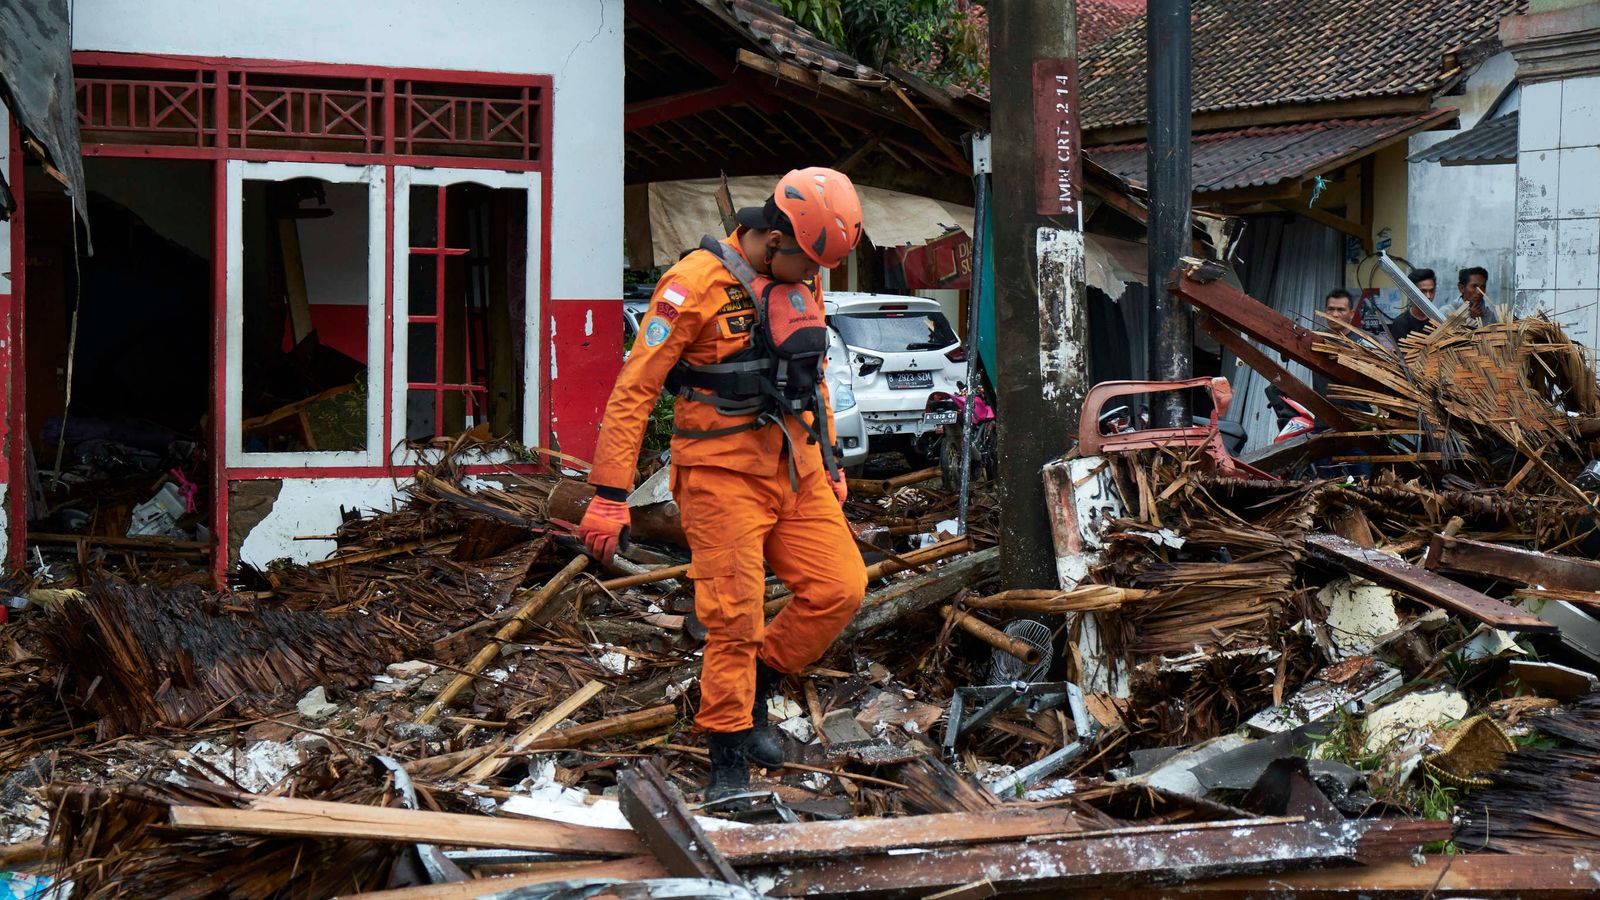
(778, 375)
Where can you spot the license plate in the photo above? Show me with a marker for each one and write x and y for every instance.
(905, 381)
(942, 417)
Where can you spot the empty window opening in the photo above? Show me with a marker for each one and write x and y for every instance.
(465, 348)
(132, 443)
(305, 316)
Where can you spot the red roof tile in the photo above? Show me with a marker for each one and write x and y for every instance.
(1258, 53)
(1100, 19)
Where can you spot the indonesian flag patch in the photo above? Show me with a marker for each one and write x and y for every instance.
(675, 293)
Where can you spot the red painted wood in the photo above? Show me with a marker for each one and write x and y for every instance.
(219, 372)
(644, 113)
(586, 367)
(16, 412)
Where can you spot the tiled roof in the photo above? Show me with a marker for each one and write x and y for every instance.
(1100, 19)
(1257, 157)
(1256, 53)
(770, 27)
(1490, 141)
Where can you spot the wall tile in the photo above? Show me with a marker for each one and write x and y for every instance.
(1580, 112)
(1577, 253)
(1530, 302)
(1578, 194)
(1576, 312)
(1537, 173)
(1536, 254)
(1539, 116)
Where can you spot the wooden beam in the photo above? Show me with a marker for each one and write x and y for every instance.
(1500, 876)
(293, 817)
(644, 113)
(858, 152)
(1120, 858)
(1548, 570)
(823, 82)
(654, 17)
(1242, 312)
(940, 142)
(1277, 375)
(1422, 584)
(938, 96)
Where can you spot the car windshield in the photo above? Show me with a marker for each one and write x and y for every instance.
(895, 332)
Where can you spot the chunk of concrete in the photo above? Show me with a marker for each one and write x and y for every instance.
(1407, 722)
(315, 706)
(890, 710)
(841, 727)
(411, 668)
(1360, 613)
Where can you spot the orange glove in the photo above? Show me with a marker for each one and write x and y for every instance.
(604, 527)
(841, 488)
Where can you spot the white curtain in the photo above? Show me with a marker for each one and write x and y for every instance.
(1290, 266)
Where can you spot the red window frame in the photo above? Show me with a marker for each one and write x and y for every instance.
(476, 394)
(165, 85)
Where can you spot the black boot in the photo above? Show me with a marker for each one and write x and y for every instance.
(730, 769)
(763, 748)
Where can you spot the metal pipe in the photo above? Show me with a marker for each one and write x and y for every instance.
(1167, 31)
(980, 208)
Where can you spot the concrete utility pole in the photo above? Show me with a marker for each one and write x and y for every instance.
(1167, 33)
(1041, 316)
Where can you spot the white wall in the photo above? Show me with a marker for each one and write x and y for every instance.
(578, 42)
(1463, 215)
(311, 506)
(1558, 203)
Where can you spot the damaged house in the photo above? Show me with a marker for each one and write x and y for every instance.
(322, 236)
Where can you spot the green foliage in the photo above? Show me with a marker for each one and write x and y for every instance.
(945, 41)
(820, 16)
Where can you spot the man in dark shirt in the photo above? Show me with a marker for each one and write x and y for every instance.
(1414, 319)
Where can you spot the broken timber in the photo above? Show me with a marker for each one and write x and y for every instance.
(1277, 375)
(1547, 570)
(656, 811)
(916, 594)
(1422, 584)
(1239, 311)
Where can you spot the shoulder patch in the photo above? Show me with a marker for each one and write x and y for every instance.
(738, 301)
(656, 332)
(675, 293)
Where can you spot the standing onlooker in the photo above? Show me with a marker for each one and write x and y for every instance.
(1414, 319)
(1339, 306)
(1472, 281)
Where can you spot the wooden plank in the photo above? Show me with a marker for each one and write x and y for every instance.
(290, 817)
(1487, 875)
(1242, 312)
(823, 840)
(758, 844)
(492, 766)
(1549, 570)
(1114, 859)
(636, 868)
(1435, 590)
(1297, 390)
(660, 818)
(915, 594)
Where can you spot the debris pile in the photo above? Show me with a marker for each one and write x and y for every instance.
(1241, 678)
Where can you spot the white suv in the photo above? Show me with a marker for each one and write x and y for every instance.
(901, 350)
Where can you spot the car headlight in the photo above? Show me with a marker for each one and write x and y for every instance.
(843, 398)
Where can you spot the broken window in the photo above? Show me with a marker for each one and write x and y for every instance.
(465, 303)
(305, 296)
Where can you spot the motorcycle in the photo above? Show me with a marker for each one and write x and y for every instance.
(948, 411)
(1293, 418)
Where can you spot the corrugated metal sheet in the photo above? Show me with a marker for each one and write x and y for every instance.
(1258, 157)
(1486, 143)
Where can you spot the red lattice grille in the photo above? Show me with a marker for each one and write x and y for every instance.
(459, 120)
(117, 106)
(320, 113)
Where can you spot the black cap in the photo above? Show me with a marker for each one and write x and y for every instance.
(761, 218)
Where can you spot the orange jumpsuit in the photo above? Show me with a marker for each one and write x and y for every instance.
(735, 494)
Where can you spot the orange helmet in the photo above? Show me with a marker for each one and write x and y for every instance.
(823, 208)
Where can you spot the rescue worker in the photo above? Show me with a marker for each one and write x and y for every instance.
(753, 471)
